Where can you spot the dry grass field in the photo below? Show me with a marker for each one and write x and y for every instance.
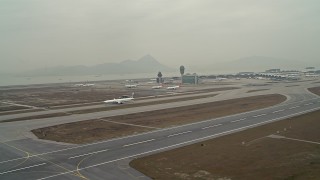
(315, 90)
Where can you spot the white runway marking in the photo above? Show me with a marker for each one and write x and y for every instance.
(238, 120)
(22, 105)
(138, 143)
(278, 111)
(308, 104)
(22, 168)
(283, 137)
(259, 115)
(129, 124)
(96, 152)
(180, 133)
(211, 126)
(294, 107)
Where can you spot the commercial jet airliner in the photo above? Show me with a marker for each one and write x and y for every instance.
(120, 100)
(156, 87)
(131, 85)
(173, 87)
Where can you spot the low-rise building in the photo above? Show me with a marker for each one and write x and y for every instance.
(190, 79)
(273, 71)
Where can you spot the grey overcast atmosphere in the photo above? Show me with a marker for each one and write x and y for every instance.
(196, 33)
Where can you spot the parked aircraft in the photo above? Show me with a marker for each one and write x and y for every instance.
(260, 78)
(120, 100)
(173, 87)
(84, 85)
(157, 87)
(221, 79)
(131, 85)
(312, 75)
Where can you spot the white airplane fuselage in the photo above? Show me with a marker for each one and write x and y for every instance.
(84, 85)
(131, 86)
(221, 79)
(173, 87)
(120, 100)
(156, 87)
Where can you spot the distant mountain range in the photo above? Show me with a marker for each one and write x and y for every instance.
(146, 64)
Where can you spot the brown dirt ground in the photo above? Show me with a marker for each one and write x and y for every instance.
(11, 108)
(54, 96)
(256, 90)
(294, 85)
(95, 130)
(260, 157)
(315, 90)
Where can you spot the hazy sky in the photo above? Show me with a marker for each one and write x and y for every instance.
(43, 33)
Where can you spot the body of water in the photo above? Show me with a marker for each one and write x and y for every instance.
(10, 80)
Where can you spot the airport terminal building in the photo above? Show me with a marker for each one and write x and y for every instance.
(190, 79)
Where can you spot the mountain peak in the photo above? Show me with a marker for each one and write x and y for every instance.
(147, 58)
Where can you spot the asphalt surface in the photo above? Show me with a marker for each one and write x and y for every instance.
(23, 157)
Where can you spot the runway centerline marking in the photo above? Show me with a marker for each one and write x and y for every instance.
(211, 126)
(138, 143)
(177, 134)
(308, 104)
(238, 120)
(259, 115)
(278, 111)
(128, 124)
(96, 152)
(14, 170)
(294, 107)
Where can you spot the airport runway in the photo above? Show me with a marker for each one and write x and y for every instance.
(101, 105)
(26, 158)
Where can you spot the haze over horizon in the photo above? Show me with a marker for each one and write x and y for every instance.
(196, 33)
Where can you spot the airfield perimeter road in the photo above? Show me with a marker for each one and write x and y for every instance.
(28, 158)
